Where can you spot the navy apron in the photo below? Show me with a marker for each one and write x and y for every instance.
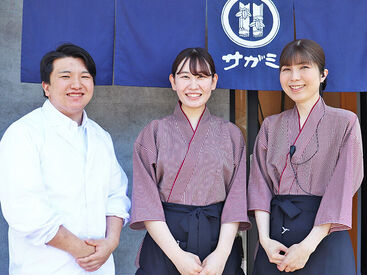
(196, 230)
(291, 220)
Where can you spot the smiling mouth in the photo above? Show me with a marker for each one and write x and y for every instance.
(191, 95)
(75, 94)
(296, 87)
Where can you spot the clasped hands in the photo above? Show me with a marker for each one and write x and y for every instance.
(190, 264)
(102, 251)
(287, 259)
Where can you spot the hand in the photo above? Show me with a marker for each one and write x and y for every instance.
(295, 258)
(273, 249)
(188, 263)
(214, 264)
(103, 250)
(85, 250)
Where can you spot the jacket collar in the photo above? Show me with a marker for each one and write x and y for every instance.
(55, 118)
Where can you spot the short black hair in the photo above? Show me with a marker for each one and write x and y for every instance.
(66, 50)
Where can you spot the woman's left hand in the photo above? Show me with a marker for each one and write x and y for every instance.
(298, 254)
(214, 264)
(296, 257)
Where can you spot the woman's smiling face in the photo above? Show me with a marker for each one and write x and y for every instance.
(301, 82)
(193, 91)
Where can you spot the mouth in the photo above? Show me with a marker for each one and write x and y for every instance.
(75, 94)
(296, 88)
(193, 95)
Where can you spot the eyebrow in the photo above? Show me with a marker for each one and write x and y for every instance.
(300, 63)
(69, 72)
(303, 63)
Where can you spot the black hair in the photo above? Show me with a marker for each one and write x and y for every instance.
(66, 50)
(197, 58)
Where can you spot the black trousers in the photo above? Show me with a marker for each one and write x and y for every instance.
(196, 229)
(292, 218)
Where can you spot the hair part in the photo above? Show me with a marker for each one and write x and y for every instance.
(304, 51)
(200, 62)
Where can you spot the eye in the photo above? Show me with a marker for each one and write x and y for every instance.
(65, 76)
(86, 76)
(284, 69)
(305, 67)
(184, 77)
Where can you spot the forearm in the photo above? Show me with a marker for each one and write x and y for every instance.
(67, 241)
(263, 224)
(161, 234)
(113, 230)
(227, 234)
(317, 234)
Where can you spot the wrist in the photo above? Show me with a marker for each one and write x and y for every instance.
(264, 240)
(309, 247)
(112, 244)
(175, 254)
(84, 250)
(223, 251)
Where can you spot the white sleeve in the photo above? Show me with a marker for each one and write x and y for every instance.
(118, 202)
(24, 200)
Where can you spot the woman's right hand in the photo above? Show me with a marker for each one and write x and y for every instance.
(273, 250)
(187, 263)
(272, 247)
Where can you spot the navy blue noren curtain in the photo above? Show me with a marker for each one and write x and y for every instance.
(245, 39)
(50, 23)
(150, 34)
(339, 27)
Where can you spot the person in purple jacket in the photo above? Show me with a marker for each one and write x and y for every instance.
(189, 181)
(306, 167)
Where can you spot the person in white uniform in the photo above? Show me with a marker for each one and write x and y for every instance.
(62, 190)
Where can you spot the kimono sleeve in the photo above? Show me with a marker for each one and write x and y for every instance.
(235, 206)
(146, 203)
(24, 200)
(259, 194)
(336, 203)
(118, 203)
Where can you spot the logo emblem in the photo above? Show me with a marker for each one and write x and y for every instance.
(248, 21)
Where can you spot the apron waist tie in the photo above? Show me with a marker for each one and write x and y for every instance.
(196, 223)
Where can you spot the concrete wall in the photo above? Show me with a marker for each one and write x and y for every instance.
(123, 111)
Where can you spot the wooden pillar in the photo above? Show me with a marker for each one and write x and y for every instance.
(348, 101)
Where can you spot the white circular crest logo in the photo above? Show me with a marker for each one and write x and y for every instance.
(248, 21)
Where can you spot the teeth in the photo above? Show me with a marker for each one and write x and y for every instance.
(75, 95)
(296, 86)
(193, 95)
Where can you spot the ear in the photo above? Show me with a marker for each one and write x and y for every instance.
(324, 75)
(46, 88)
(214, 82)
(172, 80)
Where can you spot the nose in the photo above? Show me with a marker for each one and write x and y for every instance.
(193, 83)
(76, 84)
(295, 75)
